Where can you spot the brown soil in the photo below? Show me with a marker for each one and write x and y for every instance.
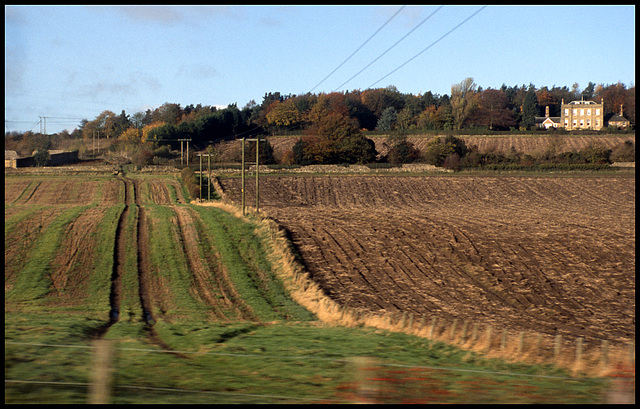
(554, 255)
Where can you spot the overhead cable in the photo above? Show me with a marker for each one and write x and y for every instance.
(389, 49)
(363, 44)
(430, 45)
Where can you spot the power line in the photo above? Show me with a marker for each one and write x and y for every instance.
(389, 49)
(430, 45)
(363, 44)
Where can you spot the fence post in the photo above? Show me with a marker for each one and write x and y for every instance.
(366, 390)
(579, 350)
(100, 388)
(605, 353)
(410, 321)
(423, 321)
(556, 346)
(503, 341)
(538, 344)
(474, 335)
(453, 328)
(521, 343)
(489, 336)
(464, 330)
(433, 326)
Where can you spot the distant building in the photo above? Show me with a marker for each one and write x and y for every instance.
(547, 121)
(618, 120)
(582, 115)
(56, 158)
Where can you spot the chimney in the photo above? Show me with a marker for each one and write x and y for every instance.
(546, 111)
(621, 110)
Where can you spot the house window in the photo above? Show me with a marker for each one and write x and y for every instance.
(589, 111)
(566, 112)
(566, 123)
(575, 123)
(597, 111)
(597, 122)
(588, 122)
(575, 112)
(581, 123)
(582, 112)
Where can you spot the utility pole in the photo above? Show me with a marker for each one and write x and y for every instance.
(208, 155)
(257, 163)
(44, 132)
(181, 149)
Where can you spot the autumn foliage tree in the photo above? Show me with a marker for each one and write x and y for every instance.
(493, 110)
(284, 115)
(334, 138)
(463, 101)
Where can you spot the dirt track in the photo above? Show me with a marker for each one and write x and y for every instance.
(547, 254)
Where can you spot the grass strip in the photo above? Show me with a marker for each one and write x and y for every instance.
(244, 256)
(33, 281)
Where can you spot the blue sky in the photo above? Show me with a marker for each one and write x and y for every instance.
(72, 62)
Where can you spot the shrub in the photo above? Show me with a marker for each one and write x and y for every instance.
(595, 152)
(401, 151)
(41, 157)
(452, 162)
(143, 157)
(625, 152)
(189, 180)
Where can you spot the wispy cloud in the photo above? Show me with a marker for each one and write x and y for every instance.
(197, 71)
(173, 14)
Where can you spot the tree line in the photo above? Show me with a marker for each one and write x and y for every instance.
(333, 125)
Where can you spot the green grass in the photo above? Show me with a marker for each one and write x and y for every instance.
(33, 281)
(267, 363)
(244, 256)
(287, 357)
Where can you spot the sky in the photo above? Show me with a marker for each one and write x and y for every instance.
(68, 63)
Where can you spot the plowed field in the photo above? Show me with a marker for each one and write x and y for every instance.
(552, 255)
(132, 248)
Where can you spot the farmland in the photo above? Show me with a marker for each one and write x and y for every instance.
(553, 255)
(131, 259)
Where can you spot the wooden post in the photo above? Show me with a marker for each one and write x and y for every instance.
(464, 330)
(605, 353)
(556, 346)
(364, 371)
(209, 177)
(242, 176)
(503, 341)
(100, 388)
(474, 335)
(521, 343)
(257, 174)
(579, 349)
(433, 326)
(453, 328)
(200, 156)
(410, 320)
(489, 336)
(538, 344)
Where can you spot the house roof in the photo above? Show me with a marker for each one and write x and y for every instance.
(617, 118)
(542, 119)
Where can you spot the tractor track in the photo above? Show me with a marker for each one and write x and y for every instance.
(132, 203)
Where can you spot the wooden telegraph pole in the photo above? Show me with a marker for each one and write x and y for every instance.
(208, 155)
(181, 149)
(257, 163)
